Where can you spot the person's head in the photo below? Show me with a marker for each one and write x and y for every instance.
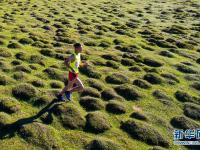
(78, 47)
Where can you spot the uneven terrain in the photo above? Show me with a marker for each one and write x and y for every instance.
(142, 81)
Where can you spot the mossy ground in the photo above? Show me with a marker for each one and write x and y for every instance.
(152, 37)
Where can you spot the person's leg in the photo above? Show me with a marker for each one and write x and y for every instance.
(79, 86)
(63, 90)
(68, 84)
(68, 87)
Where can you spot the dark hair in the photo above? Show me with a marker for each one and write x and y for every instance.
(76, 45)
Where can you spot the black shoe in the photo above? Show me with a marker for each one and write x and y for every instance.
(60, 98)
(68, 95)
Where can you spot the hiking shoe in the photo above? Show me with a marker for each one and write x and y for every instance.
(68, 95)
(60, 98)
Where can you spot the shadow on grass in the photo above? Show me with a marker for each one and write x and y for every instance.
(10, 130)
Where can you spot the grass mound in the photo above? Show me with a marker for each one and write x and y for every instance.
(14, 45)
(185, 97)
(22, 68)
(4, 120)
(54, 74)
(127, 62)
(192, 111)
(26, 41)
(153, 78)
(40, 135)
(135, 69)
(95, 84)
(90, 92)
(22, 56)
(19, 75)
(102, 144)
(139, 116)
(142, 84)
(152, 63)
(16, 62)
(185, 69)
(97, 122)
(198, 61)
(38, 83)
(182, 122)
(90, 72)
(56, 84)
(115, 107)
(5, 53)
(70, 117)
(109, 94)
(110, 57)
(166, 54)
(162, 97)
(24, 91)
(47, 52)
(128, 92)
(174, 30)
(5, 67)
(5, 80)
(36, 59)
(196, 85)
(146, 133)
(9, 105)
(170, 77)
(91, 103)
(112, 64)
(116, 78)
(156, 148)
(42, 100)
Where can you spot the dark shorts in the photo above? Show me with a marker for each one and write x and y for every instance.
(72, 76)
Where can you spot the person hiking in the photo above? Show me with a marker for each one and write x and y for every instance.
(74, 83)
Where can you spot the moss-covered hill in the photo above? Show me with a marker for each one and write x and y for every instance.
(142, 81)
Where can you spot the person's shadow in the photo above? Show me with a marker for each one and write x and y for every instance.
(9, 130)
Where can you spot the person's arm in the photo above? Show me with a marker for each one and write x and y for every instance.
(68, 60)
(83, 63)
